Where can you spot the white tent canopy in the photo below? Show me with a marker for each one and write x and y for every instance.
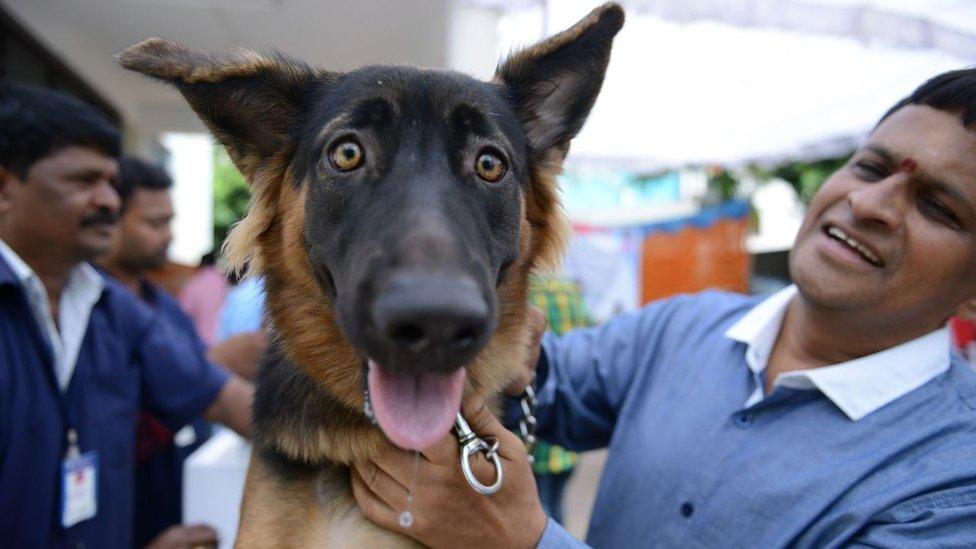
(946, 25)
(686, 88)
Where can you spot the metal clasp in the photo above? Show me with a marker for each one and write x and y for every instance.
(470, 443)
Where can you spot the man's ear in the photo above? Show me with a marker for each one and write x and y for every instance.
(248, 100)
(553, 84)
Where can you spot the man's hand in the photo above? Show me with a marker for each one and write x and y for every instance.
(447, 511)
(537, 328)
(241, 353)
(185, 537)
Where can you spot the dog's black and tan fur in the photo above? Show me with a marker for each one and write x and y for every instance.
(329, 242)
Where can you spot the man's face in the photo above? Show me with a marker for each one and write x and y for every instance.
(144, 234)
(893, 233)
(66, 206)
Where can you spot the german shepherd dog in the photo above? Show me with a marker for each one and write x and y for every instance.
(395, 217)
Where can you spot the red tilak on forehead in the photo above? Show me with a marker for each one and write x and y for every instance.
(909, 166)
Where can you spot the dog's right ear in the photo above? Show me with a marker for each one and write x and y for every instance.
(553, 84)
(248, 100)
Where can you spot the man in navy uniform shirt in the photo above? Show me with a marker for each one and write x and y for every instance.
(79, 354)
(831, 414)
(140, 244)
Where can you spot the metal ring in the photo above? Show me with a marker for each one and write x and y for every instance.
(479, 445)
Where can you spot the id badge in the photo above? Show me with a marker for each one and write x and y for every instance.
(79, 488)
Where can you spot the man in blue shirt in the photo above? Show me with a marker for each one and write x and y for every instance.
(79, 355)
(140, 244)
(830, 414)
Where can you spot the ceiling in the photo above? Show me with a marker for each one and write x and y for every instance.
(337, 34)
(699, 82)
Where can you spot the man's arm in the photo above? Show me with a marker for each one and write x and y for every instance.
(584, 377)
(180, 384)
(241, 353)
(233, 405)
(946, 518)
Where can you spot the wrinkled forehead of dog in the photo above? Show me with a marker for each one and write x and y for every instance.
(427, 116)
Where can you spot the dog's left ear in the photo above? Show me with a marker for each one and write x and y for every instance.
(250, 101)
(554, 84)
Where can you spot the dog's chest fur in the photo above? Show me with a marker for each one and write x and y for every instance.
(295, 495)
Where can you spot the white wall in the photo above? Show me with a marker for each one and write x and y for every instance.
(472, 38)
(191, 166)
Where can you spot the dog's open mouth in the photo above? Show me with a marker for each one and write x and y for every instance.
(414, 411)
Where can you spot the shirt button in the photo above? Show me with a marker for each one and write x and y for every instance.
(743, 421)
(687, 509)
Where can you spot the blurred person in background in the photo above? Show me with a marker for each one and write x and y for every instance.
(561, 301)
(140, 244)
(243, 310)
(203, 296)
(79, 354)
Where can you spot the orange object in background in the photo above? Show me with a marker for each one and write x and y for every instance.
(695, 258)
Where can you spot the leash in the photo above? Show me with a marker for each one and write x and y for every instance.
(472, 444)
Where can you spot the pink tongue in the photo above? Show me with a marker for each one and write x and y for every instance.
(415, 411)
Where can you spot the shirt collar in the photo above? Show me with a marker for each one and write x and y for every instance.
(21, 270)
(87, 279)
(858, 387)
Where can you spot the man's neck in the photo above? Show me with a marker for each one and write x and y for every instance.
(52, 269)
(131, 279)
(813, 337)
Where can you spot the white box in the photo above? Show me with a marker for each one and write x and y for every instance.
(213, 483)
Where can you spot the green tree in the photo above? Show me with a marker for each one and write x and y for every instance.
(806, 177)
(231, 195)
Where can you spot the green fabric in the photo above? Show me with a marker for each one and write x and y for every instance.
(562, 303)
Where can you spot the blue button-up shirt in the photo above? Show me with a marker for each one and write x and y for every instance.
(696, 460)
(126, 360)
(159, 476)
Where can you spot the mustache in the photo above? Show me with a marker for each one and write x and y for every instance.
(101, 217)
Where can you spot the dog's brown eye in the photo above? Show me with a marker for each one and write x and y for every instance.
(489, 167)
(346, 156)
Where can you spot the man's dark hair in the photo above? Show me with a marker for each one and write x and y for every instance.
(139, 174)
(37, 122)
(953, 91)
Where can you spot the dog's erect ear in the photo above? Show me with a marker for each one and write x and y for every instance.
(248, 100)
(553, 84)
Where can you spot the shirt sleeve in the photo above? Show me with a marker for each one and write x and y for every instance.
(942, 519)
(556, 537)
(178, 382)
(585, 376)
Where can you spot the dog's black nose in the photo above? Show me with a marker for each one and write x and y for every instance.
(432, 322)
